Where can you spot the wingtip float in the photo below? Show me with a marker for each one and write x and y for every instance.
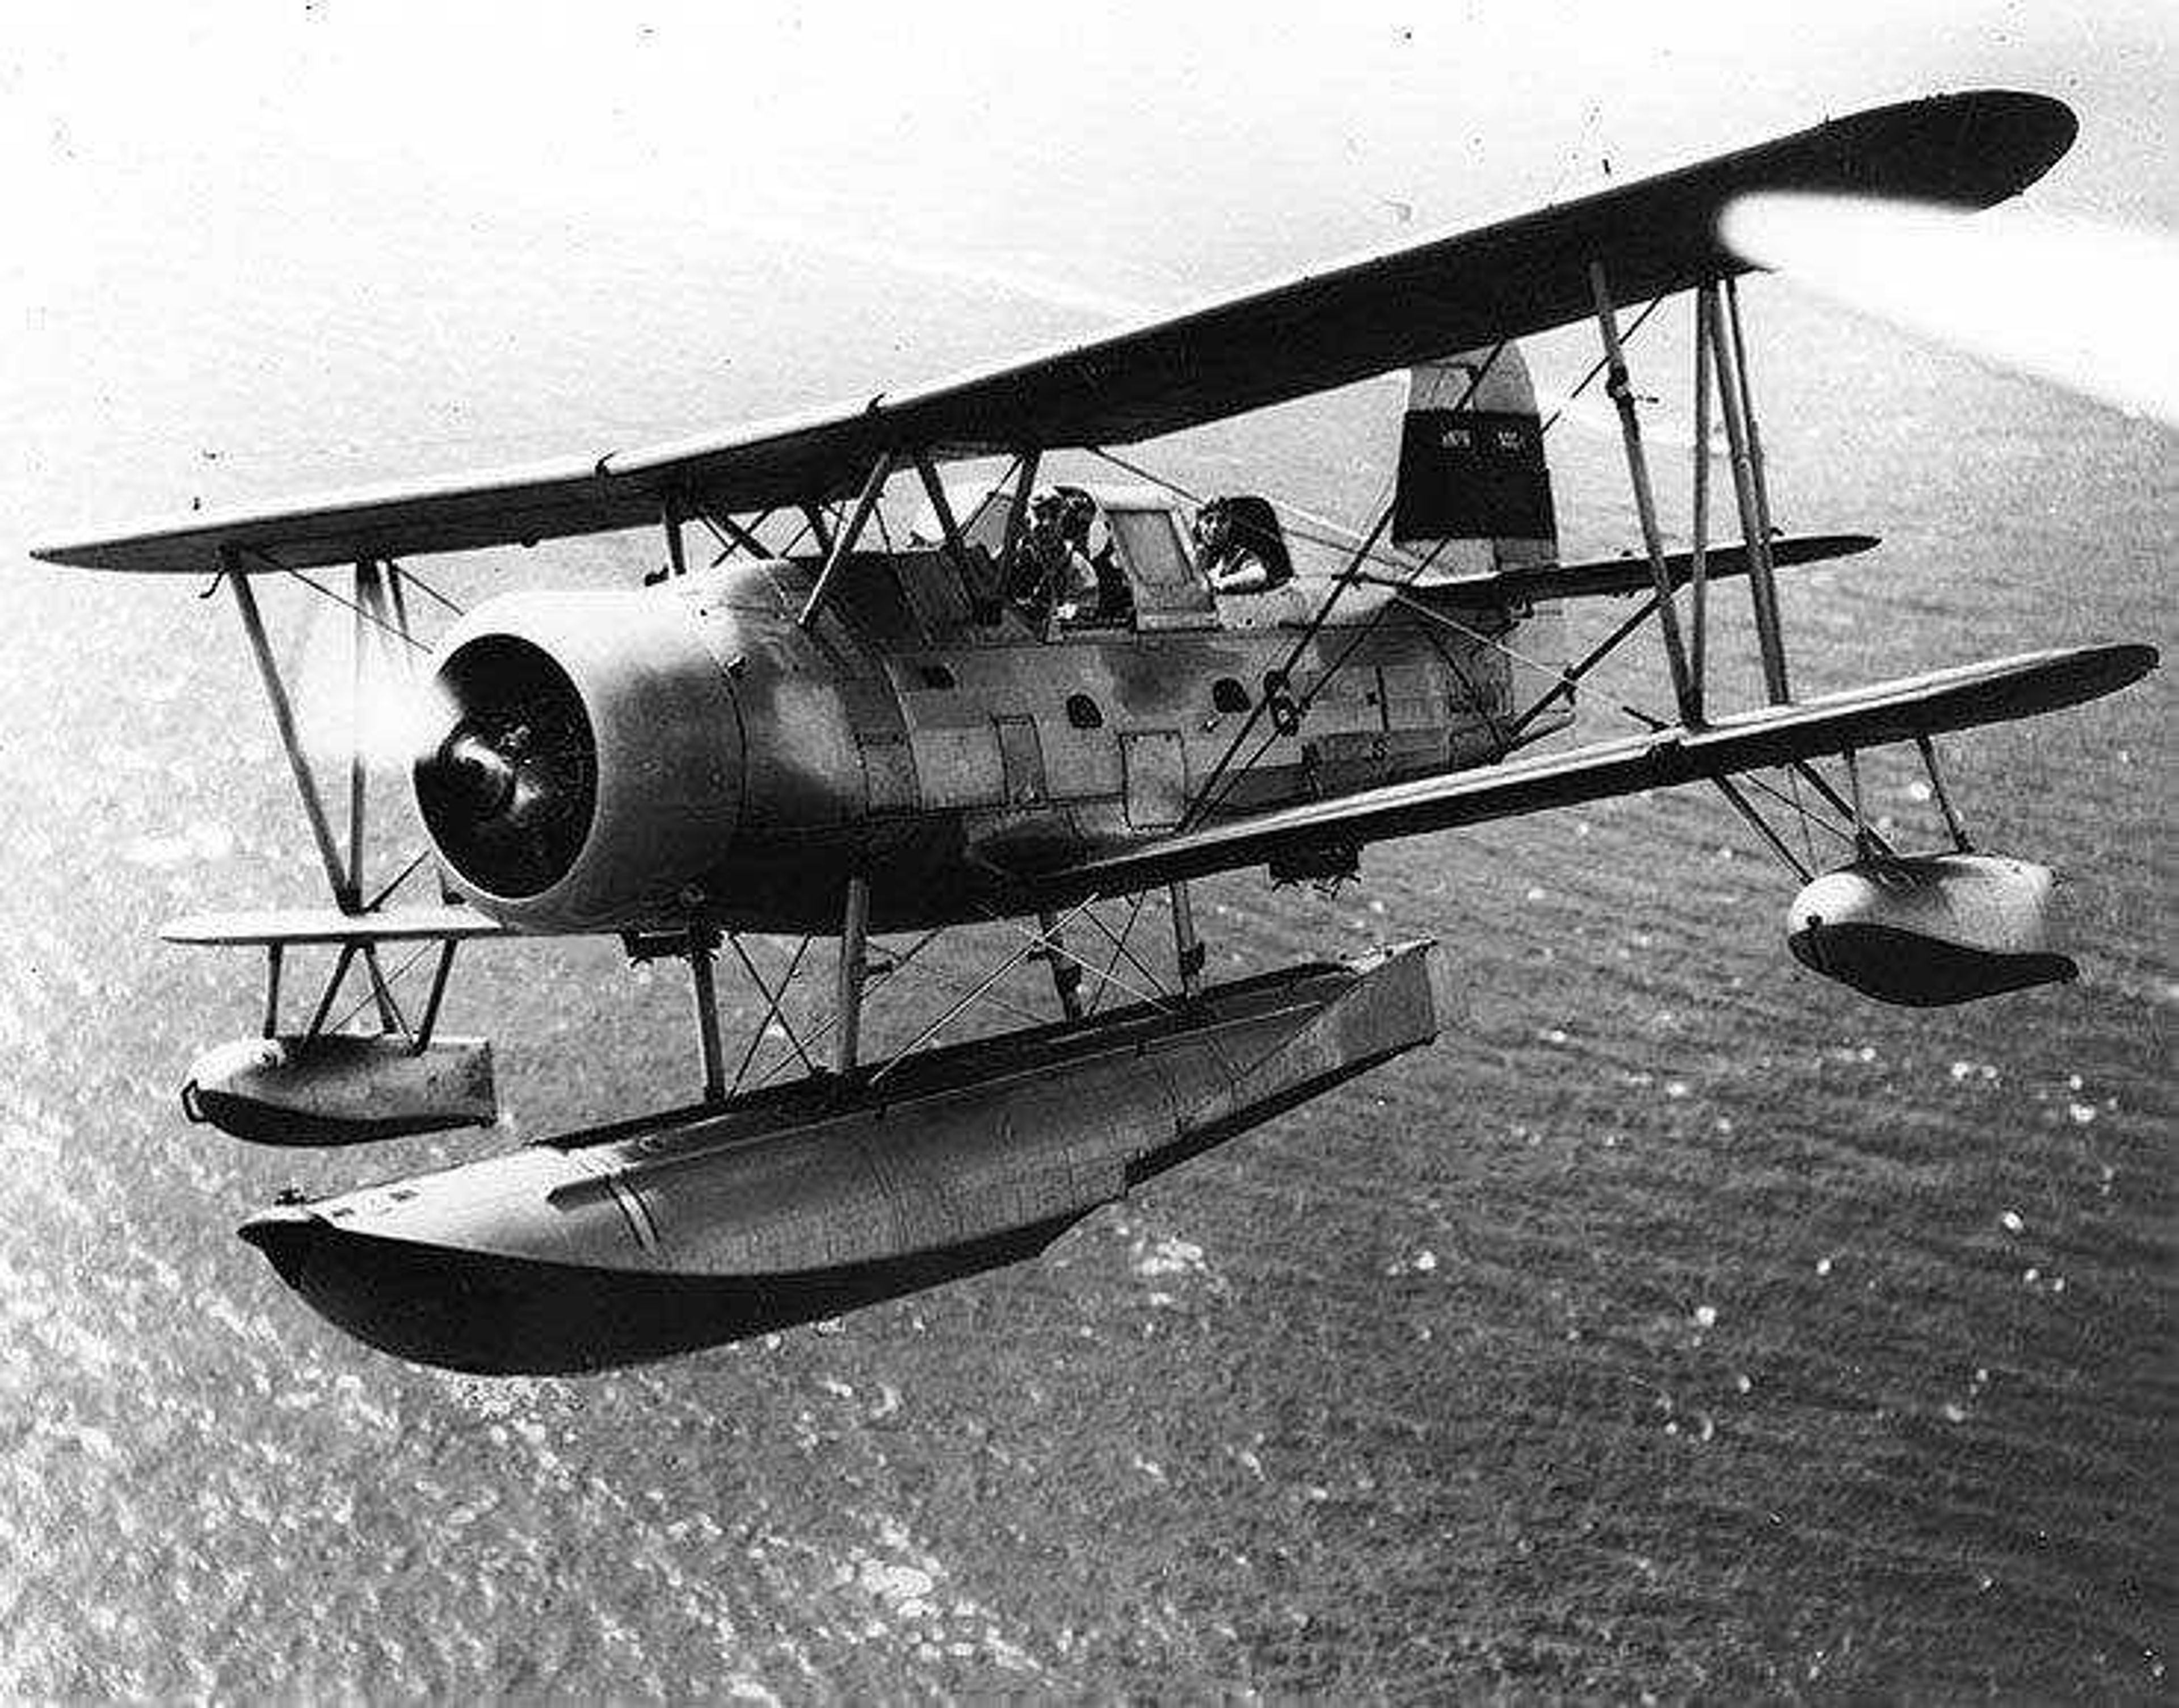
(1060, 698)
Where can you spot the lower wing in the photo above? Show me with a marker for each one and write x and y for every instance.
(1962, 698)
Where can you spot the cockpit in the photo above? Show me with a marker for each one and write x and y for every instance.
(1107, 556)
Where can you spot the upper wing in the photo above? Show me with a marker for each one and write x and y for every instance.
(1886, 711)
(1361, 317)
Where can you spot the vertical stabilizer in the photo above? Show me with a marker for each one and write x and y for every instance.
(1474, 492)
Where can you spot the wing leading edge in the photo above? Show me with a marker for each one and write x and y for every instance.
(301, 927)
(1962, 698)
(1309, 333)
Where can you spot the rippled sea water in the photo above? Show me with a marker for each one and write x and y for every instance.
(1680, 1323)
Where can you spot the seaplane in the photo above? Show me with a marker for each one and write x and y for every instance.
(1043, 704)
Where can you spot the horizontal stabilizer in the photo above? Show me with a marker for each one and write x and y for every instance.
(1962, 698)
(329, 925)
(1602, 575)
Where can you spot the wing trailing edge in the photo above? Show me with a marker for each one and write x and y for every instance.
(1962, 698)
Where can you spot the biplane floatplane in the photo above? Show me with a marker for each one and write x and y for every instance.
(814, 738)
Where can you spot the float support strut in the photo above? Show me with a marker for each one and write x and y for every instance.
(275, 953)
(1755, 821)
(1065, 970)
(389, 1012)
(854, 967)
(323, 1013)
(1187, 947)
(701, 943)
(1863, 846)
(672, 515)
(1952, 823)
(440, 975)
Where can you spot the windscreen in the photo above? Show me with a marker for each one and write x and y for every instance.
(1151, 545)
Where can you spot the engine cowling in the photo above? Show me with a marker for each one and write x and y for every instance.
(584, 765)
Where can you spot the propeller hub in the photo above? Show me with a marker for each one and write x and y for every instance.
(473, 769)
(508, 792)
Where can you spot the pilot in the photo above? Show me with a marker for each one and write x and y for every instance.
(1056, 572)
(1228, 553)
(1106, 597)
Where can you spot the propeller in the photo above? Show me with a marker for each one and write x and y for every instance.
(496, 740)
(381, 703)
(2085, 305)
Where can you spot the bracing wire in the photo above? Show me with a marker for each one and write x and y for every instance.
(400, 878)
(370, 617)
(370, 994)
(1204, 802)
(414, 579)
(1602, 363)
(1365, 552)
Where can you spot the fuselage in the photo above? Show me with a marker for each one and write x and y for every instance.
(945, 758)
(950, 745)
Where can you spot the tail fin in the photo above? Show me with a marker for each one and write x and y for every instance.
(1475, 491)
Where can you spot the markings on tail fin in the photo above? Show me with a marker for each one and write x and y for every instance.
(1475, 491)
